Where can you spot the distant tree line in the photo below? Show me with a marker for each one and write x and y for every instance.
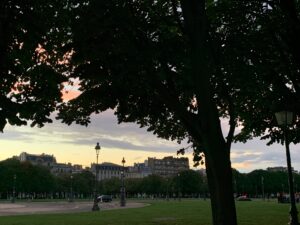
(263, 183)
(33, 181)
(36, 182)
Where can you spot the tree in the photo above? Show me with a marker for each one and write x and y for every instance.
(111, 186)
(133, 186)
(31, 74)
(127, 58)
(152, 185)
(257, 45)
(190, 182)
(28, 178)
(83, 183)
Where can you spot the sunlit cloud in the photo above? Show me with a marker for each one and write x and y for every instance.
(242, 166)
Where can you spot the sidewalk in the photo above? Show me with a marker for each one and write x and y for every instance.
(24, 208)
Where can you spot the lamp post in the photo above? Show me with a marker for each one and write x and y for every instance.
(96, 206)
(179, 194)
(14, 189)
(285, 118)
(167, 197)
(122, 191)
(71, 189)
(263, 187)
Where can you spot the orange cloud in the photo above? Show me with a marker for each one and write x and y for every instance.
(69, 95)
(71, 90)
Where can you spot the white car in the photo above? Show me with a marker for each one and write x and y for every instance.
(104, 198)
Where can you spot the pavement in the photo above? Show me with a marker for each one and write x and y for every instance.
(25, 208)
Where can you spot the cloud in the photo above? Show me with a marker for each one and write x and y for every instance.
(255, 154)
(103, 129)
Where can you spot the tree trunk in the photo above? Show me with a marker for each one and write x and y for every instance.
(217, 153)
(219, 176)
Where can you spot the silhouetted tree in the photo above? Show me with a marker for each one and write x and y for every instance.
(176, 67)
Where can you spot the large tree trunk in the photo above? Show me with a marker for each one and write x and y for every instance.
(217, 153)
(219, 176)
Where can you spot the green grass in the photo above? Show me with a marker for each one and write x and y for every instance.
(188, 212)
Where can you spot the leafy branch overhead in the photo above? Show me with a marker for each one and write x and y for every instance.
(128, 59)
(31, 77)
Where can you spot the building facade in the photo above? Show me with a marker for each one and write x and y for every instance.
(138, 170)
(49, 161)
(108, 170)
(61, 168)
(167, 166)
(42, 160)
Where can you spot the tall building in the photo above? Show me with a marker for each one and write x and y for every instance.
(168, 166)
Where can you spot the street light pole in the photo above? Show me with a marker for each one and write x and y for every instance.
(179, 194)
(284, 118)
(95, 205)
(263, 187)
(122, 191)
(293, 210)
(71, 190)
(14, 188)
(167, 197)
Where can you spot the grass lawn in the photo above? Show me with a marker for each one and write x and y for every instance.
(186, 212)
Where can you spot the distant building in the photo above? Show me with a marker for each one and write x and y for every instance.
(43, 159)
(61, 168)
(108, 170)
(138, 170)
(168, 166)
(279, 169)
(76, 168)
(49, 161)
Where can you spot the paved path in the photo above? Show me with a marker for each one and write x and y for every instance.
(24, 208)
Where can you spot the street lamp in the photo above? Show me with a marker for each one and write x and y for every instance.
(71, 190)
(14, 188)
(285, 118)
(96, 206)
(122, 191)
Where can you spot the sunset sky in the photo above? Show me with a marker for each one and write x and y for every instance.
(76, 144)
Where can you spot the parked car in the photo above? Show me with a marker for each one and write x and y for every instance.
(243, 198)
(104, 198)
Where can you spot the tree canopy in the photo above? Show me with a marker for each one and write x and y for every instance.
(174, 67)
(127, 57)
(31, 74)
